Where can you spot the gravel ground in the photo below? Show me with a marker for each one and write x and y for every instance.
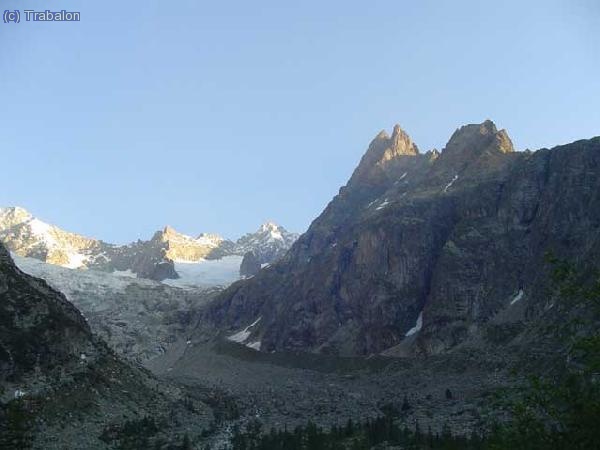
(286, 390)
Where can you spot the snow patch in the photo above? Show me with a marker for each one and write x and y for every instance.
(254, 345)
(19, 393)
(417, 326)
(383, 204)
(401, 178)
(517, 297)
(210, 240)
(76, 260)
(241, 336)
(449, 185)
(42, 230)
(206, 272)
(124, 273)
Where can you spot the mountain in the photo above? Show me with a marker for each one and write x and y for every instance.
(269, 243)
(61, 387)
(29, 236)
(422, 252)
(155, 259)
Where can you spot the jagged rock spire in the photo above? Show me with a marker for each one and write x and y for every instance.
(401, 144)
(382, 155)
(473, 139)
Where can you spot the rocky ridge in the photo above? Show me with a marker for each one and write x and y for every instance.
(28, 236)
(61, 387)
(420, 253)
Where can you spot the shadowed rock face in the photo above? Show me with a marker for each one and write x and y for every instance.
(38, 326)
(453, 237)
(67, 380)
(250, 265)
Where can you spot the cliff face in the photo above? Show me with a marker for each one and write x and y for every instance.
(420, 252)
(39, 328)
(250, 265)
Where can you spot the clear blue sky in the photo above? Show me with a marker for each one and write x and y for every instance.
(217, 116)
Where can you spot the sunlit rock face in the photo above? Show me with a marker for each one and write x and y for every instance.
(438, 242)
(27, 236)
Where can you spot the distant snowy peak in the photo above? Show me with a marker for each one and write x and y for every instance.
(12, 216)
(183, 248)
(273, 229)
(210, 239)
(27, 236)
(169, 234)
(269, 243)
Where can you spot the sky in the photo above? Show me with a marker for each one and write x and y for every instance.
(218, 116)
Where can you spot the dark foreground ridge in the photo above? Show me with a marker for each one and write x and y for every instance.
(61, 387)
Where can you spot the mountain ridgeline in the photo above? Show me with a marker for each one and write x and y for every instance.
(154, 259)
(422, 252)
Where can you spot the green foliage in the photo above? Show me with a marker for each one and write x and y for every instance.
(382, 431)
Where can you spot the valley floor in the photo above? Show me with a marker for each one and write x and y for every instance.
(286, 390)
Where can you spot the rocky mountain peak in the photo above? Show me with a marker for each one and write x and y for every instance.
(268, 226)
(210, 239)
(170, 233)
(382, 135)
(268, 243)
(13, 215)
(474, 139)
(382, 157)
(427, 261)
(169, 230)
(26, 236)
(504, 143)
(275, 231)
(401, 143)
